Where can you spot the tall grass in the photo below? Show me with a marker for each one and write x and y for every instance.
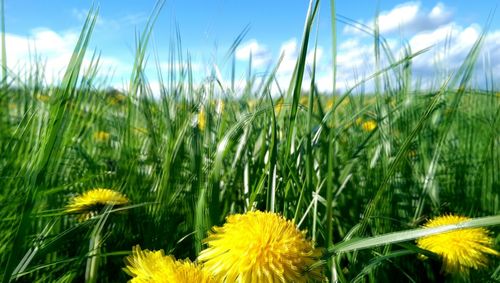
(361, 193)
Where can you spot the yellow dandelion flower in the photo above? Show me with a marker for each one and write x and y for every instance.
(412, 153)
(359, 121)
(461, 249)
(12, 106)
(91, 202)
(304, 100)
(154, 267)
(371, 100)
(345, 102)
(42, 97)
(259, 247)
(278, 106)
(329, 104)
(202, 119)
(369, 125)
(252, 103)
(101, 136)
(118, 98)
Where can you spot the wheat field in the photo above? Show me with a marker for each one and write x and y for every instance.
(359, 172)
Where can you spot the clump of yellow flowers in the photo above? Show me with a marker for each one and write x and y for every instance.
(252, 247)
(153, 266)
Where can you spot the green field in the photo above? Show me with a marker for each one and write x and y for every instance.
(349, 168)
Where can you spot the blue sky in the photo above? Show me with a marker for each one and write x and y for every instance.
(208, 28)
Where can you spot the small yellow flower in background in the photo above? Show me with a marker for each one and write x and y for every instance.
(359, 121)
(117, 98)
(12, 106)
(369, 125)
(278, 106)
(345, 102)
(259, 247)
(366, 125)
(252, 103)
(101, 136)
(329, 104)
(42, 97)
(91, 202)
(304, 100)
(370, 100)
(412, 153)
(461, 249)
(154, 267)
(202, 119)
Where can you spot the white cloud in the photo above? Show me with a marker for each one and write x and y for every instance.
(310, 56)
(53, 50)
(438, 12)
(289, 48)
(407, 17)
(289, 51)
(355, 57)
(260, 54)
(400, 16)
(449, 44)
(349, 44)
(492, 48)
(419, 28)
